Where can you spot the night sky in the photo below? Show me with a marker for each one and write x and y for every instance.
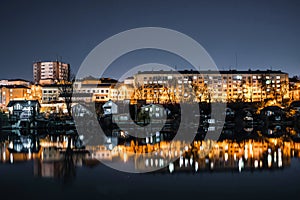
(261, 34)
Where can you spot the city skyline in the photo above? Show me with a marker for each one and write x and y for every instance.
(237, 35)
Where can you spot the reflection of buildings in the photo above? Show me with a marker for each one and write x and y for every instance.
(225, 155)
(99, 153)
(13, 155)
(57, 163)
(54, 159)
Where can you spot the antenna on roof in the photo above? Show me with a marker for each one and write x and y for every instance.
(236, 62)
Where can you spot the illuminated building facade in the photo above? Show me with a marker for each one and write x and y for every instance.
(13, 92)
(51, 70)
(212, 86)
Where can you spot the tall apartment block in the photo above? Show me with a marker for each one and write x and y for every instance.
(50, 70)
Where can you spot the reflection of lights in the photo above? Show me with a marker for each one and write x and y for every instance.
(151, 162)
(226, 156)
(256, 163)
(125, 157)
(186, 162)
(4, 156)
(161, 162)
(279, 162)
(241, 164)
(246, 154)
(11, 158)
(180, 161)
(29, 154)
(196, 166)
(211, 165)
(147, 162)
(260, 164)
(171, 167)
(191, 161)
(234, 156)
(269, 160)
(156, 162)
(275, 157)
(279, 158)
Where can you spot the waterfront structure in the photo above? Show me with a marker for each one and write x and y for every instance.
(50, 70)
(212, 86)
(16, 107)
(110, 108)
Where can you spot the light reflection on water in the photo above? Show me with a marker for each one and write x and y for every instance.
(57, 155)
(259, 167)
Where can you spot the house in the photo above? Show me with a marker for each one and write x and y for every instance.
(16, 107)
(110, 108)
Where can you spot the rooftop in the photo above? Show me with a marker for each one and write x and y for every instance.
(215, 72)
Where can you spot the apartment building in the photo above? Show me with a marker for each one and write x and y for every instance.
(50, 70)
(93, 90)
(212, 86)
(50, 93)
(13, 92)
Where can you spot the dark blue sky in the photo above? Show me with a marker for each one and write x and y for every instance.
(264, 34)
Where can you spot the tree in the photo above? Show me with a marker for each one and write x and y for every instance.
(66, 90)
(263, 87)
